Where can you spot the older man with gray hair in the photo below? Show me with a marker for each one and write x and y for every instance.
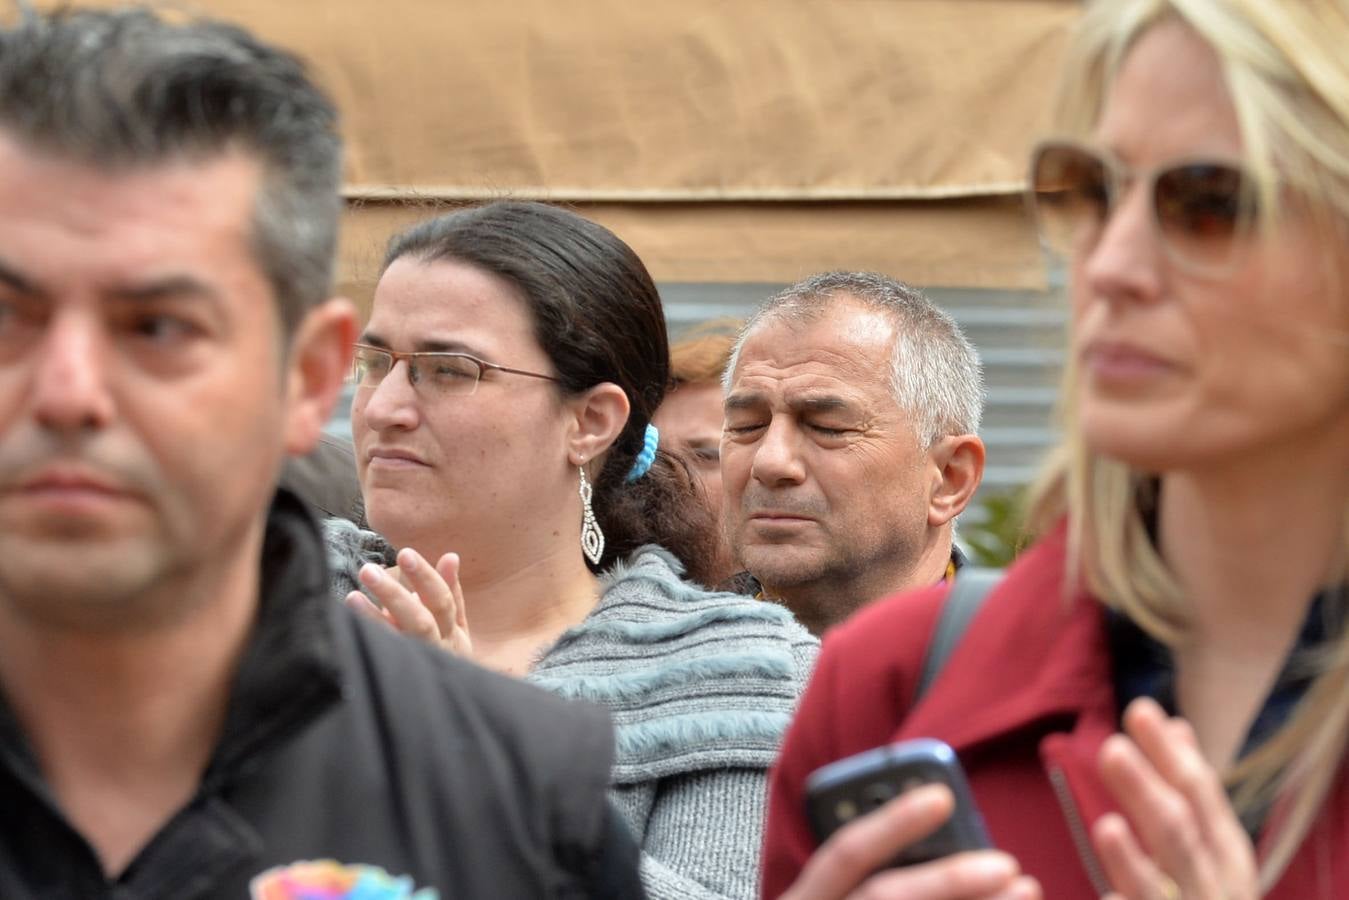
(849, 449)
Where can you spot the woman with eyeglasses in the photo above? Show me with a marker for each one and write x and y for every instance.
(1153, 703)
(528, 516)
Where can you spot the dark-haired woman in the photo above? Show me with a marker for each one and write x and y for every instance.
(527, 517)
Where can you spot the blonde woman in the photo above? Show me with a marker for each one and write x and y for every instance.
(1153, 703)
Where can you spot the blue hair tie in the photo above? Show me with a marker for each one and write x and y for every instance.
(643, 462)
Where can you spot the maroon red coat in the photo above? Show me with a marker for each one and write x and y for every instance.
(1026, 700)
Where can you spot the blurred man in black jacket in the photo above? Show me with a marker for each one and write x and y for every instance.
(184, 714)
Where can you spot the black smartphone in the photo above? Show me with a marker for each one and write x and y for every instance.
(842, 791)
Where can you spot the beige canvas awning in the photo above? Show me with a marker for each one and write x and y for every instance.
(981, 242)
(727, 141)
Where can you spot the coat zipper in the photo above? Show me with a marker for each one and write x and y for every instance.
(1085, 852)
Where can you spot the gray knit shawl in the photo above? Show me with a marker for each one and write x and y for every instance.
(694, 680)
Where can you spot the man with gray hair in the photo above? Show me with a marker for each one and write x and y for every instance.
(183, 713)
(852, 406)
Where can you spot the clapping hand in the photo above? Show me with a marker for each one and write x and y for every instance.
(417, 599)
(1179, 836)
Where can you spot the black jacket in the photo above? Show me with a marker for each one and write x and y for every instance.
(346, 742)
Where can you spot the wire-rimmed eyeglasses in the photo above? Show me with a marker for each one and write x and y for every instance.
(442, 372)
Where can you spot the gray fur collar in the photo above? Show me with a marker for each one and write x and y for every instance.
(695, 679)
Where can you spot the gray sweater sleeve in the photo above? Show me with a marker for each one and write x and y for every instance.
(702, 840)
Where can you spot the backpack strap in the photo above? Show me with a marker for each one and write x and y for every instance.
(968, 590)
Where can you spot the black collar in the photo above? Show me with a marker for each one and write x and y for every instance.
(289, 672)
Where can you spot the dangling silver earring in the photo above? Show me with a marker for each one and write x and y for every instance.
(592, 539)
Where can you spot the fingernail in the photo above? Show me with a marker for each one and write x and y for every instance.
(371, 573)
(1108, 825)
(926, 796)
(407, 560)
(995, 867)
(1145, 706)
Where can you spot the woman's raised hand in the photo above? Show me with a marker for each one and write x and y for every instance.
(1179, 836)
(418, 599)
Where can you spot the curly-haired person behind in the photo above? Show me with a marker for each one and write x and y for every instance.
(690, 417)
(528, 517)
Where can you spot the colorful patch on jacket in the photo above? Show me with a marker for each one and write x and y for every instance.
(327, 879)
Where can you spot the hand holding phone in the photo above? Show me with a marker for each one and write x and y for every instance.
(845, 790)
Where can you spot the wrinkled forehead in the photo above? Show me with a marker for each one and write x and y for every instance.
(853, 339)
(796, 367)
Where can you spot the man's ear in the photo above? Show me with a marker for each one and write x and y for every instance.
(959, 466)
(320, 358)
(600, 414)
